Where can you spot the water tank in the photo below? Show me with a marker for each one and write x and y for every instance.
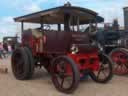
(126, 18)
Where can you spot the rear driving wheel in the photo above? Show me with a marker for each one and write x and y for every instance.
(65, 74)
(104, 72)
(21, 64)
(119, 58)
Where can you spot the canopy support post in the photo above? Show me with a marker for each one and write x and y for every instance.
(96, 25)
(42, 26)
(22, 27)
(66, 22)
(78, 23)
(59, 27)
(90, 26)
(42, 23)
(73, 23)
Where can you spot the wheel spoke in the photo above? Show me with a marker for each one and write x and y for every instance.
(98, 73)
(104, 73)
(124, 68)
(117, 67)
(62, 82)
(121, 67)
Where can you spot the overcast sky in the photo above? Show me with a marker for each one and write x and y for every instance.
(109, 9)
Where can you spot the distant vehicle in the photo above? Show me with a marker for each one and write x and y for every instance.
(115, 44)
(66, 53)
(119, 55)
(13, 41)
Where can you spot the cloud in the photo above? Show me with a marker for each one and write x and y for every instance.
(26, 6)
(110, 13)
(31, 8)
(7, 27)
(7, 19)
(4, 31)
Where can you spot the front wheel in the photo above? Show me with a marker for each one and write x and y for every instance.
(104, 72)
(65, 74)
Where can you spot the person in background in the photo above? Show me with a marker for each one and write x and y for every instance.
(1, 50)
(5, 51)
(5, 46)
(9, 49)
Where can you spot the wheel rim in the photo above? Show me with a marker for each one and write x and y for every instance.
(120, 63)
(104, 69)
(18, 63)
(63, 75)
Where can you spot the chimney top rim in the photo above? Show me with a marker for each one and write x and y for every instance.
(125, 8)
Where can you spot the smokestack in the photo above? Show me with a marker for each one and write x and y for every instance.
(126, 18)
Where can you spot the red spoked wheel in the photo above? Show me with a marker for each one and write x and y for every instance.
(65, 74)
(119, 58)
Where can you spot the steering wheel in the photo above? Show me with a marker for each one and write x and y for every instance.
(47, 27)
(93, 29)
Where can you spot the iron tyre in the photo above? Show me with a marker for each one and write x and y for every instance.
(105, 67)
(31, 62)
(64, 71)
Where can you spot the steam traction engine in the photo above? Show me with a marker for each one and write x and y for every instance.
(67, 53)
(119, 55)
